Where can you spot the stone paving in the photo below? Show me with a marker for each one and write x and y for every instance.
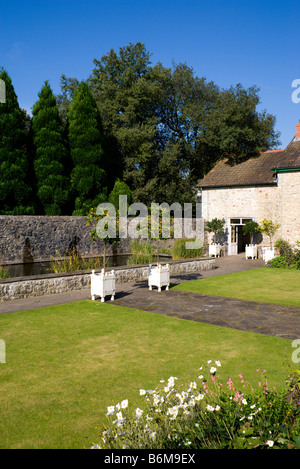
(275, 320)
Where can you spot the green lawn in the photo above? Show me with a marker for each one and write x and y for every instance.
(278, 286)
(65, 364)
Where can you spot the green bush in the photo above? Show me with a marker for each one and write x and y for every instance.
(4, 272)
(142, 252)
(208, 414)
(288, 257)
(180, 251)
(278, 262)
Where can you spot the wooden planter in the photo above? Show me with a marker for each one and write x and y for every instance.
(251, 251)
(103, 284)
(159, 276)
(215, 250)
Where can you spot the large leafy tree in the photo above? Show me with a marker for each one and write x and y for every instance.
(88, 178)
(51, 162)
(16, 195)
(169, 127)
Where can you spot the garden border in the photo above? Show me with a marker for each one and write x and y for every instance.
(48, 284)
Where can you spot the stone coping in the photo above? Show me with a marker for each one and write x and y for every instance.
(86, 272)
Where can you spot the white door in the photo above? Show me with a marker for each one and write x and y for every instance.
(233, 236)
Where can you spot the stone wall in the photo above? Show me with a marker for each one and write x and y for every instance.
(12, 289)
(37, 238)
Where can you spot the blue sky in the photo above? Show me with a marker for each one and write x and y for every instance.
(228, 42)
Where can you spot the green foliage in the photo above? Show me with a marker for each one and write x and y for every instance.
(208, 414)
(270, 228)
(278, 262)
(288, 258)
(142, 252)
(4, 272)
(180, 251)
(85, 141)
(74, 263)
(215, 226)
(120, 188)
(251, 227)
(16, 195)
(167, 126)
(51, 157)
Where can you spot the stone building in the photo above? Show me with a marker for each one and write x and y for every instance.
(264, 187)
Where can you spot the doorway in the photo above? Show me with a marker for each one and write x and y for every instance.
(237, 240)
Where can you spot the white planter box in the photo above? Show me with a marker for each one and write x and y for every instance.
(159, 276)
(251, 251)
(103, 284)
(268, 254)
(215, 250)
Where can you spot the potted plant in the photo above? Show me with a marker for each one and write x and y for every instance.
(251, 227)
(269, 228)
(102, 284)
(215, 226)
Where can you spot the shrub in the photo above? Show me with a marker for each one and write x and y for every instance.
(4, 272)
(278, 262)
(180, 251)
(142, 252)
(208, 414)
(74, 263)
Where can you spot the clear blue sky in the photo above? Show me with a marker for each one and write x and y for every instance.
(228, 42)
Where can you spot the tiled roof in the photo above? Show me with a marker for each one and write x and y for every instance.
(255, 171)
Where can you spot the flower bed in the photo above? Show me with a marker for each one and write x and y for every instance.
(208, 414)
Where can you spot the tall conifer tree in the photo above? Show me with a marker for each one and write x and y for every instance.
(88, 178)
(15, 190)
(51, 155)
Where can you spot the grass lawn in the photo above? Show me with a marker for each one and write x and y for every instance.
(65, 364)
(278, 286)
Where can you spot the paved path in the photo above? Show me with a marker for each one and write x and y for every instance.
(280, 321)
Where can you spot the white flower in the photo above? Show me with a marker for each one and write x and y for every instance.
(218, 363)
(270, 443)
(210, 408)
(97, 446)
(199, 397)
(119, 416)
(173, 411)
(138, 413)
(244, 401)
(110, 410)
(252, 406)
(200, 376)
(142, 392)
(124, 403)
(209, 361)
(153, 436)
(193, 385)
(212, 370)
(166, 389)
(217, 407)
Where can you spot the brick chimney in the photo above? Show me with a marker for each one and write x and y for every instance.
(298, 129)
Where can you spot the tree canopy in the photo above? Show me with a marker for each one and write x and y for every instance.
(169, 126)
(51, 156)
(16, 195)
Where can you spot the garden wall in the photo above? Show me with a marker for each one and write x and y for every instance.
(37, 238)
(24, 287)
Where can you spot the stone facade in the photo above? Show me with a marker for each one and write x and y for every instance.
(278, 202)
(13, 289)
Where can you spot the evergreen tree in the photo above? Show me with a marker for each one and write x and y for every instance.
(85, 132)
(15, 191)
(51, 156)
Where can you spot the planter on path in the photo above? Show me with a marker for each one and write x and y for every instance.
(159, 276)
(103, 284)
